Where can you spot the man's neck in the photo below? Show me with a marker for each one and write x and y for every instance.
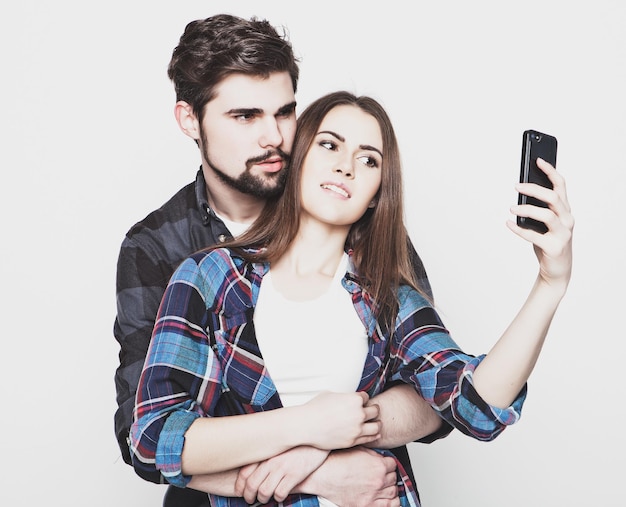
(231, 203)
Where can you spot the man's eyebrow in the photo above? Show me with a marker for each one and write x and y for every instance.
(244, 111)
(287, 108)
(342, 139)
(253, 111)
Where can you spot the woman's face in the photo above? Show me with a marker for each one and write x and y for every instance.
(341, 173)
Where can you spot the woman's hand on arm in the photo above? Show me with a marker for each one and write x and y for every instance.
(341, 420)
(278, 476)
(358, 477)
(502, 374)
(275, 478)
(329, 421)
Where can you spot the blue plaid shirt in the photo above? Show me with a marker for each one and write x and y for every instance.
(205, 323)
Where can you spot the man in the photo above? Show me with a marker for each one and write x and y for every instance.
(235, 83)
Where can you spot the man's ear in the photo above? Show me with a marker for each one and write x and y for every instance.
(186, 119)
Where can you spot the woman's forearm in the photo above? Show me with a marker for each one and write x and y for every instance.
(220, 483)
(217, 444)
(328, 421)
(502, 374)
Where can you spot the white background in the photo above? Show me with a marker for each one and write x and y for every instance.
(89, 145)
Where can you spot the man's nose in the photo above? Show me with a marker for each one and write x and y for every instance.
(270, 135)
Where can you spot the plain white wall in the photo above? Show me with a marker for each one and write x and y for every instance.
(89, 146)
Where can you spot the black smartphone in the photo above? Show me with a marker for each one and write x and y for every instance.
(535, 145)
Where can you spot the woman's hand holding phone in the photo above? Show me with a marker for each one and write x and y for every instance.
(554, 246)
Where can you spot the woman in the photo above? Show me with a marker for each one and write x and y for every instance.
(294, 323)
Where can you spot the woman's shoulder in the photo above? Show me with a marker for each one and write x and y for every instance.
(209, 265)
(417, 309)
(216, 261)
(222, 276)
(410, 296)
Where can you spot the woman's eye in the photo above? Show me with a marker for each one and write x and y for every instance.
(329, 145)
(369, 161)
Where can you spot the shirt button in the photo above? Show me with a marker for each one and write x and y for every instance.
(221, 238)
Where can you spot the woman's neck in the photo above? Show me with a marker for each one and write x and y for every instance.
(306, 269)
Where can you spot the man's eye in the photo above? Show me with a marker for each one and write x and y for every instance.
(244, 117)
(287, 114)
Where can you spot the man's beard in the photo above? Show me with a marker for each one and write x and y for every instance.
(264, 187)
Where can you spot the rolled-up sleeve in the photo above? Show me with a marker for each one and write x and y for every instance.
(180, 380)
(425, 355)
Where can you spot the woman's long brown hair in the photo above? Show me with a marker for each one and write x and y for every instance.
(379, 241)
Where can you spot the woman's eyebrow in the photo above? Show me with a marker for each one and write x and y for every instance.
(334, 134)
(370, 148)
(342, 139)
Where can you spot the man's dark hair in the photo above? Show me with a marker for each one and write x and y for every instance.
(213, 48)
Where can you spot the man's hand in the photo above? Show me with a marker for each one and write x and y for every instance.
(356, 477)
(278, 476)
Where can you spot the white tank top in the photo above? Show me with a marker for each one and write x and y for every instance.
(311, 346)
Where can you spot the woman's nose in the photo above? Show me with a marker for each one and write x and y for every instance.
(345, 169)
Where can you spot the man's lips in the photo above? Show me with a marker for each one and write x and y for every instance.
(271, 165)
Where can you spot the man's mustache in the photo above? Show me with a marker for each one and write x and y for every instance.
(267, 155)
